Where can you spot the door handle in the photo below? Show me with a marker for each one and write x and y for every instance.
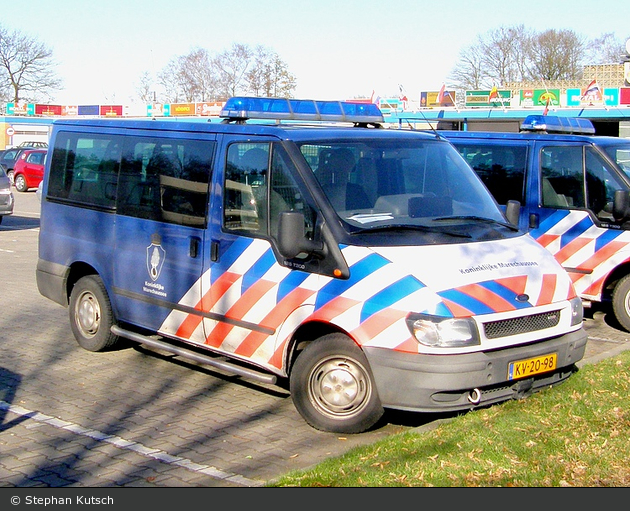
(195, 242)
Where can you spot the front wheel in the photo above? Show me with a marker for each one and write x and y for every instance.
(332, 386)
(621, 302)
(20, 183)
(10, 176)
(91, 316)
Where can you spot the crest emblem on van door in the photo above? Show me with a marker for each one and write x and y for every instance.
(155, 257)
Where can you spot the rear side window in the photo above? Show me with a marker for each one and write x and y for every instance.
(36, 158)
(165, 179)
(161, 179)
(84, 169)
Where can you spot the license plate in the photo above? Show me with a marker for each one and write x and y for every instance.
(531, 366)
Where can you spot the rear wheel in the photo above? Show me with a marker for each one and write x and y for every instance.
(621, 302)
(91, 316)
(20, 183)
(332, 386)
(10, 175)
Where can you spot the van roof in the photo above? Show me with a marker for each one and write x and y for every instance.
(301, 131)
(496, 135)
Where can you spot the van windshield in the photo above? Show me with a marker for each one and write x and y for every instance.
(376, 183)
(620, 153)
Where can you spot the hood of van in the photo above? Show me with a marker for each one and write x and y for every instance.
(484, 277)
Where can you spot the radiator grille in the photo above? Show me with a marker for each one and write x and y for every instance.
(521, 325)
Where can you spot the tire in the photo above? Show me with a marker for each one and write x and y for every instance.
(10, 176)
(332, 386)
(91, 316)
(621, 302)
(20, 183)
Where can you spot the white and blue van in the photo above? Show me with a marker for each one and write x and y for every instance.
(298, 241)
(573, 187)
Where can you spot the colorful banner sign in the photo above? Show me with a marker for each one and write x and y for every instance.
(111, 110)
(577, 97)
(179, 109)
(390, 105)
(540, 97)
(89, 110)
(488, 98)
(21, 108)
(432, 99)
(48, 110)
(209, 109)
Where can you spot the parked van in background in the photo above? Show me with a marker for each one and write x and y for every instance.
(368, 268)
(574, 190)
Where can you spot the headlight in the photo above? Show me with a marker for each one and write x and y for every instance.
(443, 332)
(577, 311)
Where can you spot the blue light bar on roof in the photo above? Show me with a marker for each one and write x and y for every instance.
(242, 108)
(555, 124)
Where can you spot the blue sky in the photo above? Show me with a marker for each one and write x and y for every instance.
(337, 49)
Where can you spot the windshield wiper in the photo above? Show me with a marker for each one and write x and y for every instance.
(411, 227)
(476, 218)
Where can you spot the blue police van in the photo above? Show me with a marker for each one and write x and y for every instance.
(573, 187)
(298, 242)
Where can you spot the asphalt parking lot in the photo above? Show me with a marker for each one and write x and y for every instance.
(71, 418)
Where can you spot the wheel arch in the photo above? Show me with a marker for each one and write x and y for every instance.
(308, 333)
(77, 271)
(613, 278)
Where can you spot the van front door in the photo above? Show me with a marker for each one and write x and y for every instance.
(577, 187)
(160, 231)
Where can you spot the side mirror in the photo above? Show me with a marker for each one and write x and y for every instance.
(291, 238)
(513, 211)
(621, 203)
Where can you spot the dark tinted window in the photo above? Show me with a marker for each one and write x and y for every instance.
(165, 179)
(161, 179)
(501, 168)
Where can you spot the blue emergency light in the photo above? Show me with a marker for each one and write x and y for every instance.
(555, 124)
(240, 108)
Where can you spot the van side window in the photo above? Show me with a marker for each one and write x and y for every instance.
(562, 177)
(501, 168)
(84, 169)
(601, 183)
(166, 180)
(285, 194)
(254, 196)
(244, 196)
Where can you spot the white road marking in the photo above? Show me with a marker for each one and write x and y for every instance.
(136, 447)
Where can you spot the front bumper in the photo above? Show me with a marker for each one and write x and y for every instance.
(441, 383)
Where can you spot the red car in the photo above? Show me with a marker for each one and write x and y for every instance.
(29, 169)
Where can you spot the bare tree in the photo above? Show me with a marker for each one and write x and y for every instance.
(557, 55)
(503, 53)
(144, 88)
(469, 73)
(606, 49)
(27, 67)
(269, 75)
(198, 76)
(168, 79)
(512, 54)
(232, 67)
